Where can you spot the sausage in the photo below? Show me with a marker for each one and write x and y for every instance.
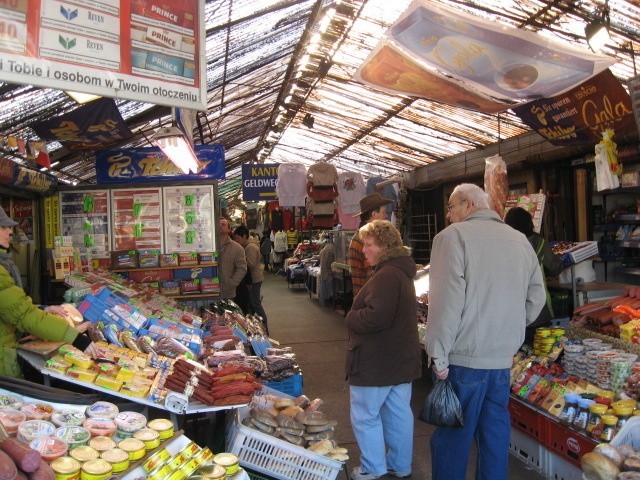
(43, 472)
(8, 469)
(26, 458)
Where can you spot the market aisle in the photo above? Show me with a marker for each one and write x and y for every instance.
(318, 336)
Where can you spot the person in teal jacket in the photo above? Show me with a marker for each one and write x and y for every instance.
(19, 315)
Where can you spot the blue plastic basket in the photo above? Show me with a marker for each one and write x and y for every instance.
(291, 386)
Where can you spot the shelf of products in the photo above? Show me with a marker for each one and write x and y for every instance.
(177, 267)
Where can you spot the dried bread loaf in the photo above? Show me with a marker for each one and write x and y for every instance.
(596, 466)
(610, 452)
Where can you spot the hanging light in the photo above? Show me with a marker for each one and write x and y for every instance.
(176, 146)
(597, 31)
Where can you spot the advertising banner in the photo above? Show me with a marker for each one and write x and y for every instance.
(136, 165)
(140, 50)
(96, 125)
(449, 56)
(581, 114)
(259, 181)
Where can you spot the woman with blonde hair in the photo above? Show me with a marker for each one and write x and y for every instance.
(383, 356)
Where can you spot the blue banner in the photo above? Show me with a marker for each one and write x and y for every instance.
(18, 176)
(259, 181)
(151, 165)
(95, 125)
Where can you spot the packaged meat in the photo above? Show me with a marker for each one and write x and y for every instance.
(100, 427)
(10, 419)
(172, 348)
(146, 344)
(50, 448)
(95, 332)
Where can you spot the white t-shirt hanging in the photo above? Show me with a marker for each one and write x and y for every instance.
(351, 190)
(280, 242)
(322, 174)
(292, 184)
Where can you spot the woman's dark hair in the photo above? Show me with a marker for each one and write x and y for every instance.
(519, 219)
(241, 231)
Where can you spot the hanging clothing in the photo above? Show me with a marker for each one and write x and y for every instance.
(322, 174)
(280, 242)
(292, 184)
(351, 189)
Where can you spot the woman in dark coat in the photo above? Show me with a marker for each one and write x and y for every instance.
(383, 356)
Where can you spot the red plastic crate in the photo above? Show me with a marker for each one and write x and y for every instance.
(527, 420)
(567, 443)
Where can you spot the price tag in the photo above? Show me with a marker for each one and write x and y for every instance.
(87, 226)
(137, 209)
(190, 217)
(89, 241)
(87, 203)
(188, 200)
(189, 236)
(137, 230)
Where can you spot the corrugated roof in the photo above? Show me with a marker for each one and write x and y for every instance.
(253, 52)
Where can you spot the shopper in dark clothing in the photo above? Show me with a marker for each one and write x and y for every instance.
(551, 265)
(265, 249)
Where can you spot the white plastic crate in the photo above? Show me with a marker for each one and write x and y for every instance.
(274, 457)
(559, 469)
(527, 450)
(629, 434)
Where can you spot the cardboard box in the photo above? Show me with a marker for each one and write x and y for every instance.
(148, 258)
(210, 285)
(193, 273)
(124, 259)
(168, 259)
(62, 267)
(188, 259)
(170, 287)
(208, 257)
(150, 276)
(188, 287)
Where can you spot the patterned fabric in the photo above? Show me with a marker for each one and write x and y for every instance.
(360, 268)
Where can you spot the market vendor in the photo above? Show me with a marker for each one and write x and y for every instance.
(18, 314)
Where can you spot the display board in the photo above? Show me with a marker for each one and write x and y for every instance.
(532, 203)
(84, 216)
(137, 219)
(189, 219)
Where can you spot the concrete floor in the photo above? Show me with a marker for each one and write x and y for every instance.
(318, 336)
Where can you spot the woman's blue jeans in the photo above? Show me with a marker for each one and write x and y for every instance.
(484, 396)
(382, 422)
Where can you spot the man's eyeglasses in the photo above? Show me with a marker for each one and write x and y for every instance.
(450, 206)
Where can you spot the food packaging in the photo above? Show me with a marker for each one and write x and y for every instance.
(134, 447)
(130, 422)
(149, 437)
(109, 382)
(66, 418)
(50, 448)
(155, 460)
(32, 429)
(10, 401)
(82, 374)
(163, 426)
(102, 443)
(104, 427)
(66, 468)
(84, 453)
(73, 435)
(118, 458)
(227, 460)
(10, 419)
(96, 469)
(37, 411)
(102, 410)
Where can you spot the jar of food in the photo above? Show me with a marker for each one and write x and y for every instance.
(594, 424)
(582, 415)
(570, 409)
(608, 427)
(100, 427)
(623, 414)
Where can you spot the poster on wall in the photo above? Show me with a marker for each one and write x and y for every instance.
(23, 214)
(84, 216)
(532, 203)
(137, 219)
(140, 50)
(189, 219)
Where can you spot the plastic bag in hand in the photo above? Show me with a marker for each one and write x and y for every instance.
(442, 407)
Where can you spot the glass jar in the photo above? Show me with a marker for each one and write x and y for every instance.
(608, 427)
(582, 414)
(594, 424)
(568, 414)
(623, 413)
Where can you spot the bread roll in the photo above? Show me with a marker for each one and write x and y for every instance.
(596, 466)
(610, 452)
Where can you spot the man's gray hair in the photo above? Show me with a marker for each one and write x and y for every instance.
(473, 193)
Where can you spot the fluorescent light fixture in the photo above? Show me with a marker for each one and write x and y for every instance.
(175, 145)
(81, 98)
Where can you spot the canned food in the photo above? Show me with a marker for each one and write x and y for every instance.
(84, 454)
(155, 460)
(66, 468)
(227, 460)
(118, 458)
(177, 475)
(160, 473)
(134, 447)
(102, 444)
(150, 437)
(97, 469)
(163, 426)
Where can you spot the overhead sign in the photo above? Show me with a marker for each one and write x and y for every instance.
(96, 125)
(142, 50)
(136, 165)
(259, 181)
(581, 114)
(449, 56)
(17, 176)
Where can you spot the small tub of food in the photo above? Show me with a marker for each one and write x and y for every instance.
(10, 401)
(11, 419)
(102, 444)
(100, 427)
(73, 435)
(229, 461)
(32, 429)
(66, 418)
(50, 448)
(37, 411)
(130, 422)
(163, 426)
(102, 410)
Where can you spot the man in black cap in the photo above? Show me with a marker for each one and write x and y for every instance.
(372, 207)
